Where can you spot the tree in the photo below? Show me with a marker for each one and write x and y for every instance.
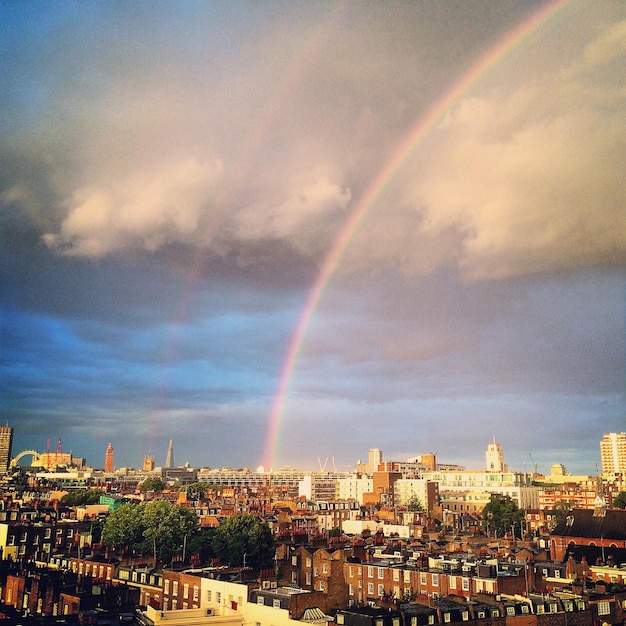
(502, 514)
(619, 501)
(202, 544)
(248, 535)
(155, 528)
(561, 509)
(81, 497)
(414, 504)
(152, 483)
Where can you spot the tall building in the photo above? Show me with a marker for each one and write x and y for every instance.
(494, 457)
(613, 453)
(374, 459)
(6, 443)
(108, 459)
(169, 459)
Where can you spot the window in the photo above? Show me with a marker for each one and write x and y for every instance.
(435, 580)
(370, 589)
(321, 585)
(464, 615)
(294, 560)
(495, 613)
(540, 609)
(381, 573)
(166, 588)
(604, 608)
(423, 579)
(524, 609)
(396, 575)
(446, 617)
(294, 577)
(259, 600)
(381, 590)
(175, 588)
(308, 561)
(276, 603)
(510, 610)
(466, 584)
(407, 576)
(208, 595)
(351, 571)
(316, 572)
(481, 615)
(218, 597)
(395, 621)
(308, 578)
(350, 592)
(414, 621)
(186, 590)
(431, 619)
(370, 571)
(396, 592)
(452, 582)
(340, 618)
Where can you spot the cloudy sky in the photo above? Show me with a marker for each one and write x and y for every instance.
(288, 232)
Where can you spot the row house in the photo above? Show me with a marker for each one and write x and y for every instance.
(316, 570)
(147, 581)
(369, 583)
(98, 568)
(181, 590)
(37, 541)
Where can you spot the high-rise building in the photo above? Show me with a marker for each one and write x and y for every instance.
(494, 457)
(108, 459)
(6, 444)
(374, 459)
(169, 459)
(613, 453)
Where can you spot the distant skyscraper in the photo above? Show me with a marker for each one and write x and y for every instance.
(374, 459)
(169, 459)
(108, 459)
(6, 444)
(613, 453)
(494, 457)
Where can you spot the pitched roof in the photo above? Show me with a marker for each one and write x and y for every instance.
(584, 523)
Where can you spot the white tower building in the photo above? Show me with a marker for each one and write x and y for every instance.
(494, 457)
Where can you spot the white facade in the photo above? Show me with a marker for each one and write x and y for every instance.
(353, 487)
(494, 458)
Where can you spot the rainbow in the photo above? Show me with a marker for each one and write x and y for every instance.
(385, 175)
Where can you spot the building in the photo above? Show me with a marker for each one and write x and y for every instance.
(613, 453)
(169, 459)
(494, 457)
(148, 463)
(6, 444)
(108, 459)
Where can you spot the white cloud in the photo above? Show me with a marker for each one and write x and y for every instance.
(147, 210)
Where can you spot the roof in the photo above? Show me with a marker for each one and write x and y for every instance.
(584, 523)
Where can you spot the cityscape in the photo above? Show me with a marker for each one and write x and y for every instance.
(409, 539)
(313, 313)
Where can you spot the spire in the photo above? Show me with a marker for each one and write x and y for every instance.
(169, 459)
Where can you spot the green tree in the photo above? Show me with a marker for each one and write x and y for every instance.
(244, 534)
(153, 484)
(165, 528)
(501, 514)
(81, 497)
(334, 532)
(124, 526)
(561, 509)
(414, 504)
(156, 528)
(619, 502)
(194, 491)
(202, 543)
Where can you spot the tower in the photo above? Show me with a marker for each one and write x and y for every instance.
(148, 462)
(108, 459)
(613, 453)
(6, 443)
(374, 459)
(169, 459)
(494, 457)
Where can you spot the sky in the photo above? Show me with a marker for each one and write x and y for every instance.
(284, 233)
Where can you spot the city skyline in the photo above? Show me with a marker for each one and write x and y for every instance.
(276, 232)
